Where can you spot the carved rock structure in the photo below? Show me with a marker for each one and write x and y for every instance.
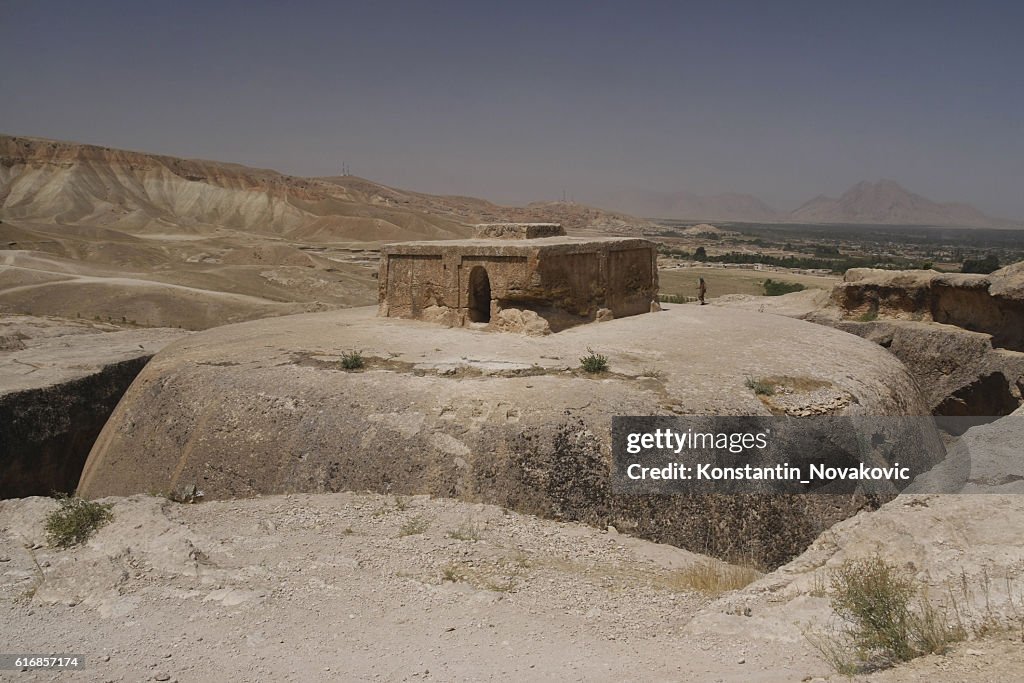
(267, 407)
(522, 277)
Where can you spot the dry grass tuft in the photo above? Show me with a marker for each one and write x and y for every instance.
(712, 577)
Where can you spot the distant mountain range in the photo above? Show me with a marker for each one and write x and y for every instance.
(883, 202)
(888, 202)
(69, 183)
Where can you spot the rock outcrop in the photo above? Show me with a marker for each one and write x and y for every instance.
(960, 335)
(992, 304)
(265, 407)
(59, 382)
(949, 541)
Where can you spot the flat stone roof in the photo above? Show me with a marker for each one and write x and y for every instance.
(506, 246)
(519, 231)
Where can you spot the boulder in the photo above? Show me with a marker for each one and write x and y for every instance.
(266, 407)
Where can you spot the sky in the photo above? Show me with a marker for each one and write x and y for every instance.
(522, 101)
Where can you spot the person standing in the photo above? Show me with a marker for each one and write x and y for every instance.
(702, 290)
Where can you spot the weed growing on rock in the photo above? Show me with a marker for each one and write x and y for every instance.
(467, 531)
(453, 573)
(760, 387)
(75, 520)
(186, 494)
(594, 362)
(886, 618)
(416, 525)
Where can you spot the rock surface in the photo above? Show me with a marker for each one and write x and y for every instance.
(956, 333)
(265, 407)
(986, 459)
(59, 382)
(973, 568)
(992, 304)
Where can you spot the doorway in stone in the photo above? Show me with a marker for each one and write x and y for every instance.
(479, 295)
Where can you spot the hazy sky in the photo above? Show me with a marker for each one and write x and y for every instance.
(520, 100)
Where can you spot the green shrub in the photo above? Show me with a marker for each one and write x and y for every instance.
(886, 616)
(352, 360)
(982, 265)
(594, 362)
(75, 520)
(672, 298)
(868, 316)
(775, 288)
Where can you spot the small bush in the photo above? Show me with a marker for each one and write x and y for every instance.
(672, 298)
(186, 494)
(875, 598)
(594, 362)
(760, 387)
(76, 520)
(776, 288)
(352, 360)
(887, 618)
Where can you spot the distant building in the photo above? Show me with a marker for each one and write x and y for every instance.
(526, 277)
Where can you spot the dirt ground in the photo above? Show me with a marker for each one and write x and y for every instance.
(370, 587)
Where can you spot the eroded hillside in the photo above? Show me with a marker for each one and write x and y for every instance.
(113, 235)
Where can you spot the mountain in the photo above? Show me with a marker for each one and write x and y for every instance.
(69, 183)
(887, 202)
(730, 206)
(883, 202)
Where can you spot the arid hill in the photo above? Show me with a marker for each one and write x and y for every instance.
(69, 183)
(106, 234)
